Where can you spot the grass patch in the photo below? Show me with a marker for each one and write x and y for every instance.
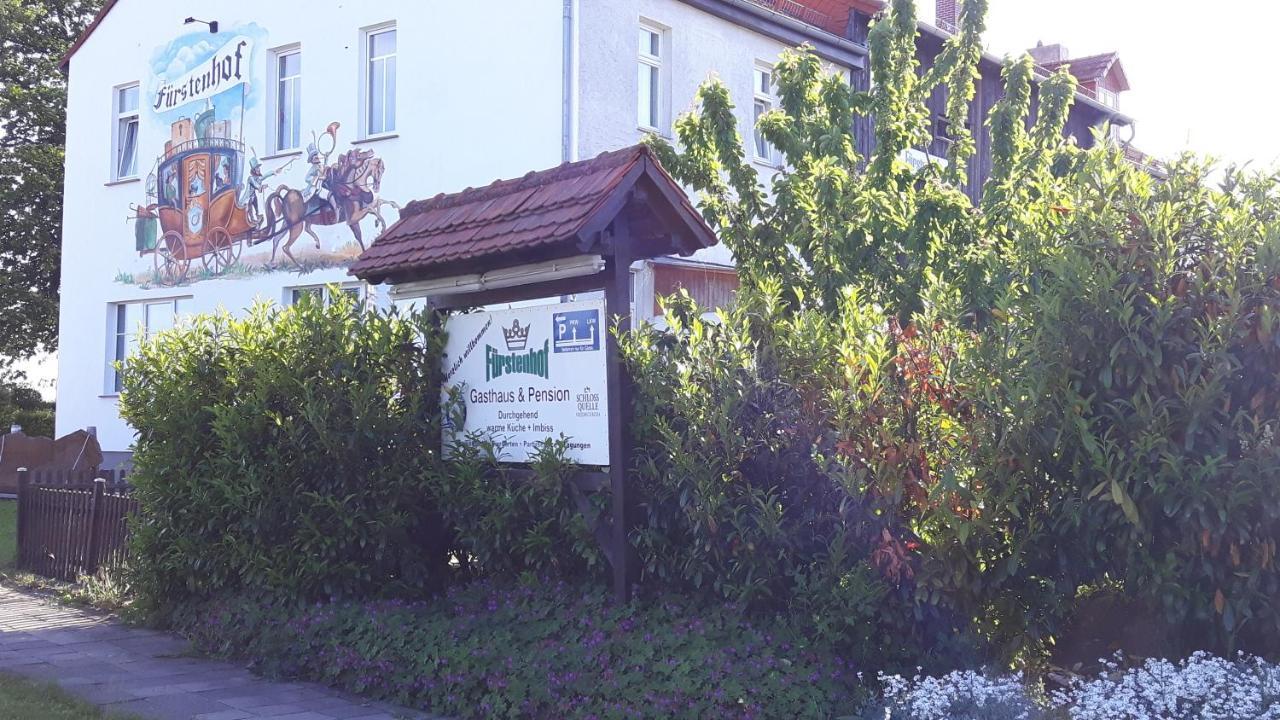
(8, 533)
(24, 699)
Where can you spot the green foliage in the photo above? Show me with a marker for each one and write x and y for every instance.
(8, 533)
(286, 452)
(34, 34)
(513, 521)
(772, 467)
(832, 218)
(1134, 372)
(22, 405)
(1070, 384)
(542, 650)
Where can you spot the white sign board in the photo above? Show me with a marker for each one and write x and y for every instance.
(530, 374)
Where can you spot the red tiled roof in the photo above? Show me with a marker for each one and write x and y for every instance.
(1093, 67)
(833, 15)
(541, 210)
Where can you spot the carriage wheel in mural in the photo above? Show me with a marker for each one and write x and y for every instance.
(171, 261)
(219, 252)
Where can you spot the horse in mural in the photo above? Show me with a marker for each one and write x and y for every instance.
(352, 185)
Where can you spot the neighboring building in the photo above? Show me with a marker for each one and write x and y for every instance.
(1088, 113)
(193, 157)
(1100, 77)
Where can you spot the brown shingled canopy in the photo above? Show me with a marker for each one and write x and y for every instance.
(545, 215)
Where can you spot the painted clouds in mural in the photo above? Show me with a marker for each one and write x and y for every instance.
(212, 209)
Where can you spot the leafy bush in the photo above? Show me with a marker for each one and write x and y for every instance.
(1126, 382)
(540, 650)
(285, 452)
(510, 521)
(21, 404)
(1072, 384)
(772, 471)
(1153, 338)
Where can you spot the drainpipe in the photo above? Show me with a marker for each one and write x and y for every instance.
(569, 84)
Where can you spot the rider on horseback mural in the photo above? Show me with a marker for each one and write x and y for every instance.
(344, 192)
(318, 193)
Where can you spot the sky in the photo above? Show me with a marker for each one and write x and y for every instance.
(1202, 75)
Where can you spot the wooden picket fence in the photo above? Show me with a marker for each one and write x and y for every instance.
(71, 523)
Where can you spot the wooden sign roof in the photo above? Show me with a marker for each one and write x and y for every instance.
(545, 215)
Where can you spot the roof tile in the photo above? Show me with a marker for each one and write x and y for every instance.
(536, 209)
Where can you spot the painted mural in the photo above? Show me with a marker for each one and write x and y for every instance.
(210, 209)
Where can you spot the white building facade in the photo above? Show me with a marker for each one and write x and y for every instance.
(213, 170)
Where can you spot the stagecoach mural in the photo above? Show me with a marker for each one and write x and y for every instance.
(214, 209)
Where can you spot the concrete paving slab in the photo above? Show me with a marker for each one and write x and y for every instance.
(153, 675)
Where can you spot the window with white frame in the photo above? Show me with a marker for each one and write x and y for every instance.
(131, 323)
(380, 80)
(125, 138)
(287, 106)
(651, 90)
(326, 293)
(762, 88)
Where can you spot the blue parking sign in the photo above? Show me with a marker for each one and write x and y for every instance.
(576, 331)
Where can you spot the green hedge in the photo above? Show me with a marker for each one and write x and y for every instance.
(286, 451)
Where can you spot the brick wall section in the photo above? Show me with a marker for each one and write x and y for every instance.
(946, 13)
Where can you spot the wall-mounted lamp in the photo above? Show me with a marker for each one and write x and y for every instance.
(213, 24)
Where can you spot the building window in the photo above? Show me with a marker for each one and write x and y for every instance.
(125, 157)
(327, 293)
(131, 323)
(380, 81)
(1110, 98)
(651, 95)
(762, 87)
(288, 99)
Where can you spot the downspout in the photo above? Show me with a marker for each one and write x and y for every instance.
(569, 83)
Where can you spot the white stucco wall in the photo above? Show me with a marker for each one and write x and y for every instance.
(699, 46)
(479, 98)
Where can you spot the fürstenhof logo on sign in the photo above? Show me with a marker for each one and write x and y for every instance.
(541, 375)
(533, 362)
(517, 336)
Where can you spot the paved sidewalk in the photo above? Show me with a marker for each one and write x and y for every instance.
(147, 673)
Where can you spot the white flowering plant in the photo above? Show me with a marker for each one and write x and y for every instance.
(1200, 687)
(960, 695)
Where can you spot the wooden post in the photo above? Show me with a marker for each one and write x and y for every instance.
(95, 527)
(24, 497)
(618, 304)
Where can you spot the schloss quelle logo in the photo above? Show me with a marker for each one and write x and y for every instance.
(533, 362)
